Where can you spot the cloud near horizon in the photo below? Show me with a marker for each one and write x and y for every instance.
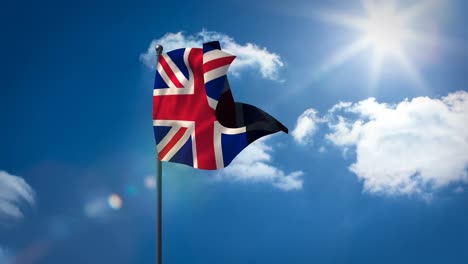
(14, 192)
(414, 147)
(253, 164)
(249, 55)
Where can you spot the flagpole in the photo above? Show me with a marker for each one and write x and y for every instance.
(159, 49)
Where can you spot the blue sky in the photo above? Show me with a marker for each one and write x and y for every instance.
(366, 180)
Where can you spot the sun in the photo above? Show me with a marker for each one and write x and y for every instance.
(386, 31)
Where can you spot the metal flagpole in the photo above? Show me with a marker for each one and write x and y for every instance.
(159, 50)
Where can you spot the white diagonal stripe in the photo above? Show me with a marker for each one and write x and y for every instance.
(178, 73)
(215, 73)
(176, 125)
(167, 137)
(215, 54)
(212, 102)
(178, 145)
(164, 76)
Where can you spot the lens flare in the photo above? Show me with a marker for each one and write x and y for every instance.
(115, 202)
(150, 182)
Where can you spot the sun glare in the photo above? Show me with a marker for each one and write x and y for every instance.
(386, 31)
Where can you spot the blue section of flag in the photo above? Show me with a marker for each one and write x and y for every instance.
(159, 83)
(233, 145)
(215, 87)
(214, 45)
(160, 132)
(184, 155)
(177, 56)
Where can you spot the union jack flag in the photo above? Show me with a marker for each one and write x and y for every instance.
(196, 121)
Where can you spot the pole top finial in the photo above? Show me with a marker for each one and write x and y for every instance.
(159, 49)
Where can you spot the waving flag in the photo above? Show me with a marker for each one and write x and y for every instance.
(196, 121)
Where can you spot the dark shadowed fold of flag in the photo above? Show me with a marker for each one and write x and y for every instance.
(196, 120)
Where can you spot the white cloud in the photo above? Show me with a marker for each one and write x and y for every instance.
(306, 126)
(14, 191)
(411, 147)
(249, 55)
(254, 165)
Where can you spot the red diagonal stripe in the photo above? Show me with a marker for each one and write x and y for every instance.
(216, 63)
(178, 135)
(169, 72)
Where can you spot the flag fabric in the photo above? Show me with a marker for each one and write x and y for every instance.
(196, 121)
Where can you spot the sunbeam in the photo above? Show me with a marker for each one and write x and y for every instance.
(386, 31)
